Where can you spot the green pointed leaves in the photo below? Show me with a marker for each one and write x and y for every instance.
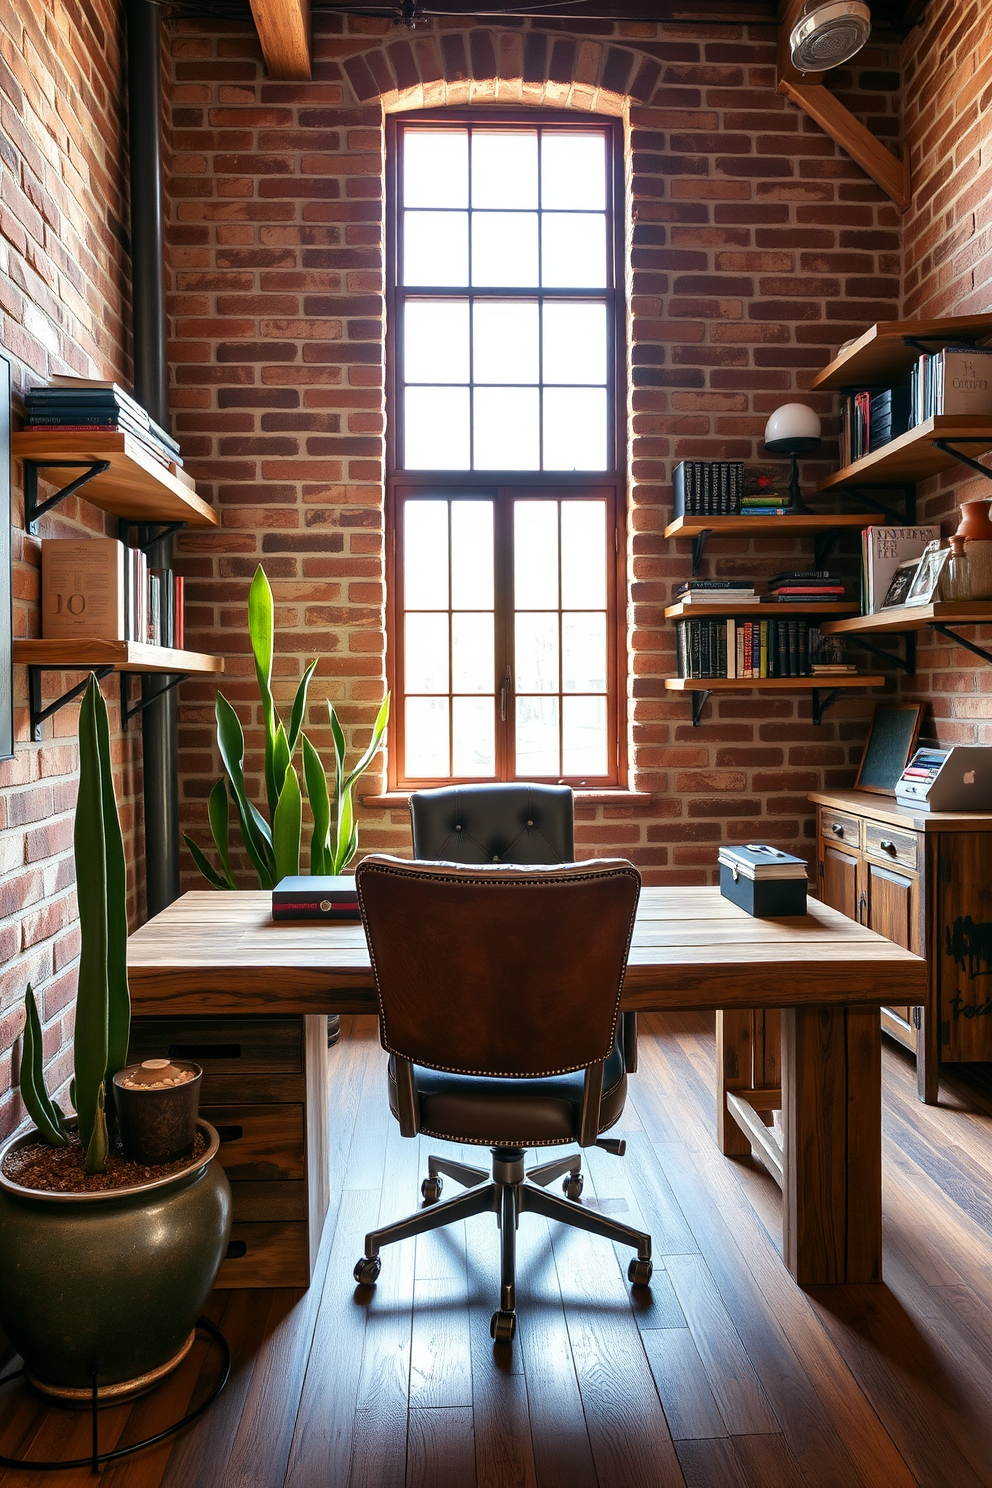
(90, 844)
(40, 1107)
(320, 808)
(217, 812)
(296, 718)
(119, 996)
(287, 826)
(98, 1146)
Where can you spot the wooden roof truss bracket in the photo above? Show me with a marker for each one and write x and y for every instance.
(283, 28)
(885, 169)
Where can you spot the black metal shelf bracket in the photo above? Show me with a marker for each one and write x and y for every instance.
(873, 503)
(33, 509)
(150, 533)
(959, 640)
(824, 544)
(947, 446)
(823, 698)
(41, 714)
(699, 542)
(131, 710)
(906, 662)
(698, 701)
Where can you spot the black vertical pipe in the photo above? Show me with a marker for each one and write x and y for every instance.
(151, 386)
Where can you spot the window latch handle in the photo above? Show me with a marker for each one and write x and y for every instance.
(505, 688)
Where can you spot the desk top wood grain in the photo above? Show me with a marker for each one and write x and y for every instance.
(215, 953)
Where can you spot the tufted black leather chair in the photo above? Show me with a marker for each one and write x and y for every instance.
(512, 823)
(493, 824)
(499, 992)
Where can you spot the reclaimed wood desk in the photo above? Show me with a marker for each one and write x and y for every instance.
(214, 978)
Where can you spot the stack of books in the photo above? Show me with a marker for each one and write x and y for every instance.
(870, 419)
(806, 586)
(708, 488)
(86, 406)
(716, 591)
(955, 380)
(98, 589)
(748, 649)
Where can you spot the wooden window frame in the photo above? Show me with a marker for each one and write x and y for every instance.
(503, 485)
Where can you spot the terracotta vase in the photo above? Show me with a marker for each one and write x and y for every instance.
(975, 527)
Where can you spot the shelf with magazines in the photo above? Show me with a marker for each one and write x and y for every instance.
(905, 620)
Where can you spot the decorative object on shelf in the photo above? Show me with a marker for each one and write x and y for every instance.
(157, 1103)
(793, 430)
(892, 736)
(98, 1299)
(273, 845)
(956, 583)
(883, 550)
(828, 33)
(926, 579)
(899, 584)
(975, 527)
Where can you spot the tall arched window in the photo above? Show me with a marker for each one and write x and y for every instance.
(506, 447)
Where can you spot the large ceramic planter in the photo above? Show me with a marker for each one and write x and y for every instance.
(113, 1281)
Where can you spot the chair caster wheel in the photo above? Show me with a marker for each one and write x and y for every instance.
(431, 1189)
(572, 1186)
(367, 1270)
(640, 1272)
(502, 1326)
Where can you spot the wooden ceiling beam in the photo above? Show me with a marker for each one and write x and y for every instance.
(283, 28)
(889, 171)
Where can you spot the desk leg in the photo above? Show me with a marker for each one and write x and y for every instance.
(832, 1108)
(734, 1071)
(317, 1108)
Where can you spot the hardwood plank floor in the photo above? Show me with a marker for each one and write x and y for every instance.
(726, 1376)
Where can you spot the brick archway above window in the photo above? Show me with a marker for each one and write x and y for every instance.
(486, 66)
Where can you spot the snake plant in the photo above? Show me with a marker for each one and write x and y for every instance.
(272, 842)
(103, 1003)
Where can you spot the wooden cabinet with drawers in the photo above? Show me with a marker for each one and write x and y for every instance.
(265, 1090)
(923, 880)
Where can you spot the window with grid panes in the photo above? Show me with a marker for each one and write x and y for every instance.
(504, 431)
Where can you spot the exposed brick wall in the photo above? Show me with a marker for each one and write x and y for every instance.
(63, 275)
(756, 247)
(948, 267)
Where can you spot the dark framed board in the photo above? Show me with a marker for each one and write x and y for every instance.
(895, 728)
(6, 600)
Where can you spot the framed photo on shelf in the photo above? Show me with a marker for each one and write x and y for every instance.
(923, 589)
(892, 736)
(900, 583)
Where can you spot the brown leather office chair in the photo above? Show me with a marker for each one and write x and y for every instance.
(499, 994)
(516, 822)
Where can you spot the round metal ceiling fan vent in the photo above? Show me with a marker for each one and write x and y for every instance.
(830, 33)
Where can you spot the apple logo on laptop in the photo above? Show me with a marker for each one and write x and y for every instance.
(968, 777)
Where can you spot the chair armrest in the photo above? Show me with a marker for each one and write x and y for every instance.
(592, 1099)
(406, 1098)
(628, 1041)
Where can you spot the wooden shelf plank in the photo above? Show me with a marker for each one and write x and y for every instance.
(881, 355)
(83, 653)
(136, 486)
(762, 526)
(768, 610)
(776, 684)
(913, 617)
(912, 457)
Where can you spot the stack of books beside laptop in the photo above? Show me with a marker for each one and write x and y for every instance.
(806, 586)
(87, 406)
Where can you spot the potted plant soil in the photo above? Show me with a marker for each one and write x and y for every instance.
(106, 1262)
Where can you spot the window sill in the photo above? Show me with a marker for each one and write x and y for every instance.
(606, 797)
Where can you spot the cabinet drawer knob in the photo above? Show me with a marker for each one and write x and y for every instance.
(888, 847)
(837, 829)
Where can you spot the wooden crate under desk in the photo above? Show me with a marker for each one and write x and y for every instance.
(265, 1089)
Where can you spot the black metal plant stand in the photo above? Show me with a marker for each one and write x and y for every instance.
(96, 1458)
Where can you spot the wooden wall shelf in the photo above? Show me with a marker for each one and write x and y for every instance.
(914, 456)
(134, 485)
(886, 351)
(913, 617)
(749, 612)
(824, 688)
(118, 656)
(763, 526)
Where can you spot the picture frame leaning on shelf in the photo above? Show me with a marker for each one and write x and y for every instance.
(926, 579)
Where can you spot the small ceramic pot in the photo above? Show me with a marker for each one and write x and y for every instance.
(157, 1123)
(976, 521)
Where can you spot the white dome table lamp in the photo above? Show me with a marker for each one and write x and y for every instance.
(793, 430)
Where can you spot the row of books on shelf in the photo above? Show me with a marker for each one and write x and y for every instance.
(954, 380)
(755, 649)
(101, 589)
(90, 406)
(798, 586)
(728, 488)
